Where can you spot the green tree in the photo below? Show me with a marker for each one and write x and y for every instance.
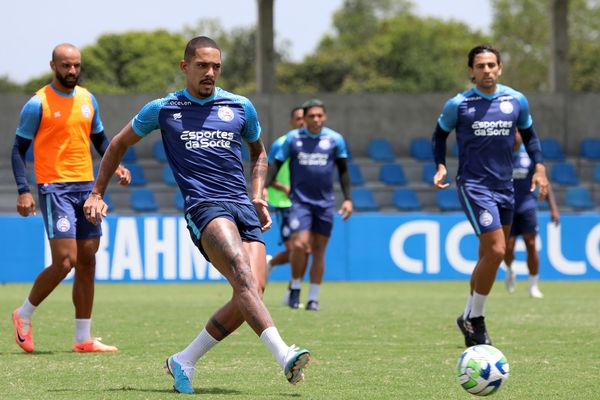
(133, 62)
(521, 29)
(381, 46)
(8, 86)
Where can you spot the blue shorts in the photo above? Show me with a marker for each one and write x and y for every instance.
(242, 215)
(283, 220)
(63, 215)
(486, 209)
(306, 217)
(524, 223)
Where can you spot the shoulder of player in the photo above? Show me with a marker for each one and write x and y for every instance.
(460, 98)
(330, 132)
(222, 94)
(507, 90)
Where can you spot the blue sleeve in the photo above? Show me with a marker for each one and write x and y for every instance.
(449, 115)
(29, 120)
(438, 145)
(18, 163)
(283, 153)
(524, 121)
(274, 149)
(341, 148)
(97, 126)
(147, 119)
(251, 131)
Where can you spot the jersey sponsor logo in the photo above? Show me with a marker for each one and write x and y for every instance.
(206, 139)
(176, 116)
(506, 107)
(475, 98)
(63, 224)
(492, 128)
(86, 111)
(225, 113)
(471, 110)
(486, 218)
(179, 103)
(56, 114)
(319, 159)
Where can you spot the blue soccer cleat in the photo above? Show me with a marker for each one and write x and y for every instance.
(182, 375)
(297, 360)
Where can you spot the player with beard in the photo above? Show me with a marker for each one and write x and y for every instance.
(61, 120)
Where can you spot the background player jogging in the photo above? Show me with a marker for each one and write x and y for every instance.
(485, 119)
(61, 120)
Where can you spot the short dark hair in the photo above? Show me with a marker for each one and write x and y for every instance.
(312, 103)
(294, 111)
(197, 43)
(484, 48)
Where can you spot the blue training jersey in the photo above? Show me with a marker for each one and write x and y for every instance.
(312, 164)
(522, 173)
(485, 132)
(203, 142)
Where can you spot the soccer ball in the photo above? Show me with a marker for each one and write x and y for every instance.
(482, 369)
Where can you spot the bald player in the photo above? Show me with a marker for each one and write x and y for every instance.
(61, 120)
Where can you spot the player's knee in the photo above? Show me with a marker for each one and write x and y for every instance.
(498, 252)
(62, 267)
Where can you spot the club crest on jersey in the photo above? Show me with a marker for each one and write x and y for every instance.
(295, 223)
(63, 224)
(486, 218)
(506, 107)
(324, 143)
(86, 111)
(225, 113)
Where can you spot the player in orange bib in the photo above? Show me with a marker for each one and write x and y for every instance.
(61, 120)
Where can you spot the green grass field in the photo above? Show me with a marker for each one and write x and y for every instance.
(370, 341)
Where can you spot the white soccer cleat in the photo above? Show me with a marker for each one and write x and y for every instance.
(510, 280)
(535, 293)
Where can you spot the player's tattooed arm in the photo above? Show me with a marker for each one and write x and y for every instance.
(259, 166)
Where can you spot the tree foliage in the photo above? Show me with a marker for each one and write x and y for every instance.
(381, 46)
(8, 86)
(521, 29)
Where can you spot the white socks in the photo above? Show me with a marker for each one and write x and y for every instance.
(478, 305)
(313, 292)
(275, 343)
(468, 306)
(533, 280)
(27, 309)
(199, 346)
(82, 329)
(296, 284)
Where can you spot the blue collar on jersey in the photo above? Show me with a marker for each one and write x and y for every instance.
(310, 134)
(201, 101)
(499, 89)
(63, 94)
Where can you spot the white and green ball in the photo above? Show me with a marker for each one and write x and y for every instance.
(482, 369)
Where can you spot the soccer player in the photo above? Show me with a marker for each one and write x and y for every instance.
(278, 195)
(314, 151)
(525, 220)
(61, 120)
(485, 118)
(202, 128)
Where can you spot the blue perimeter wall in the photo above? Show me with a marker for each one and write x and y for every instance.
(415, 246)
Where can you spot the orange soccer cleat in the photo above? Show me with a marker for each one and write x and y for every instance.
(23, 332)
(93, 345)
